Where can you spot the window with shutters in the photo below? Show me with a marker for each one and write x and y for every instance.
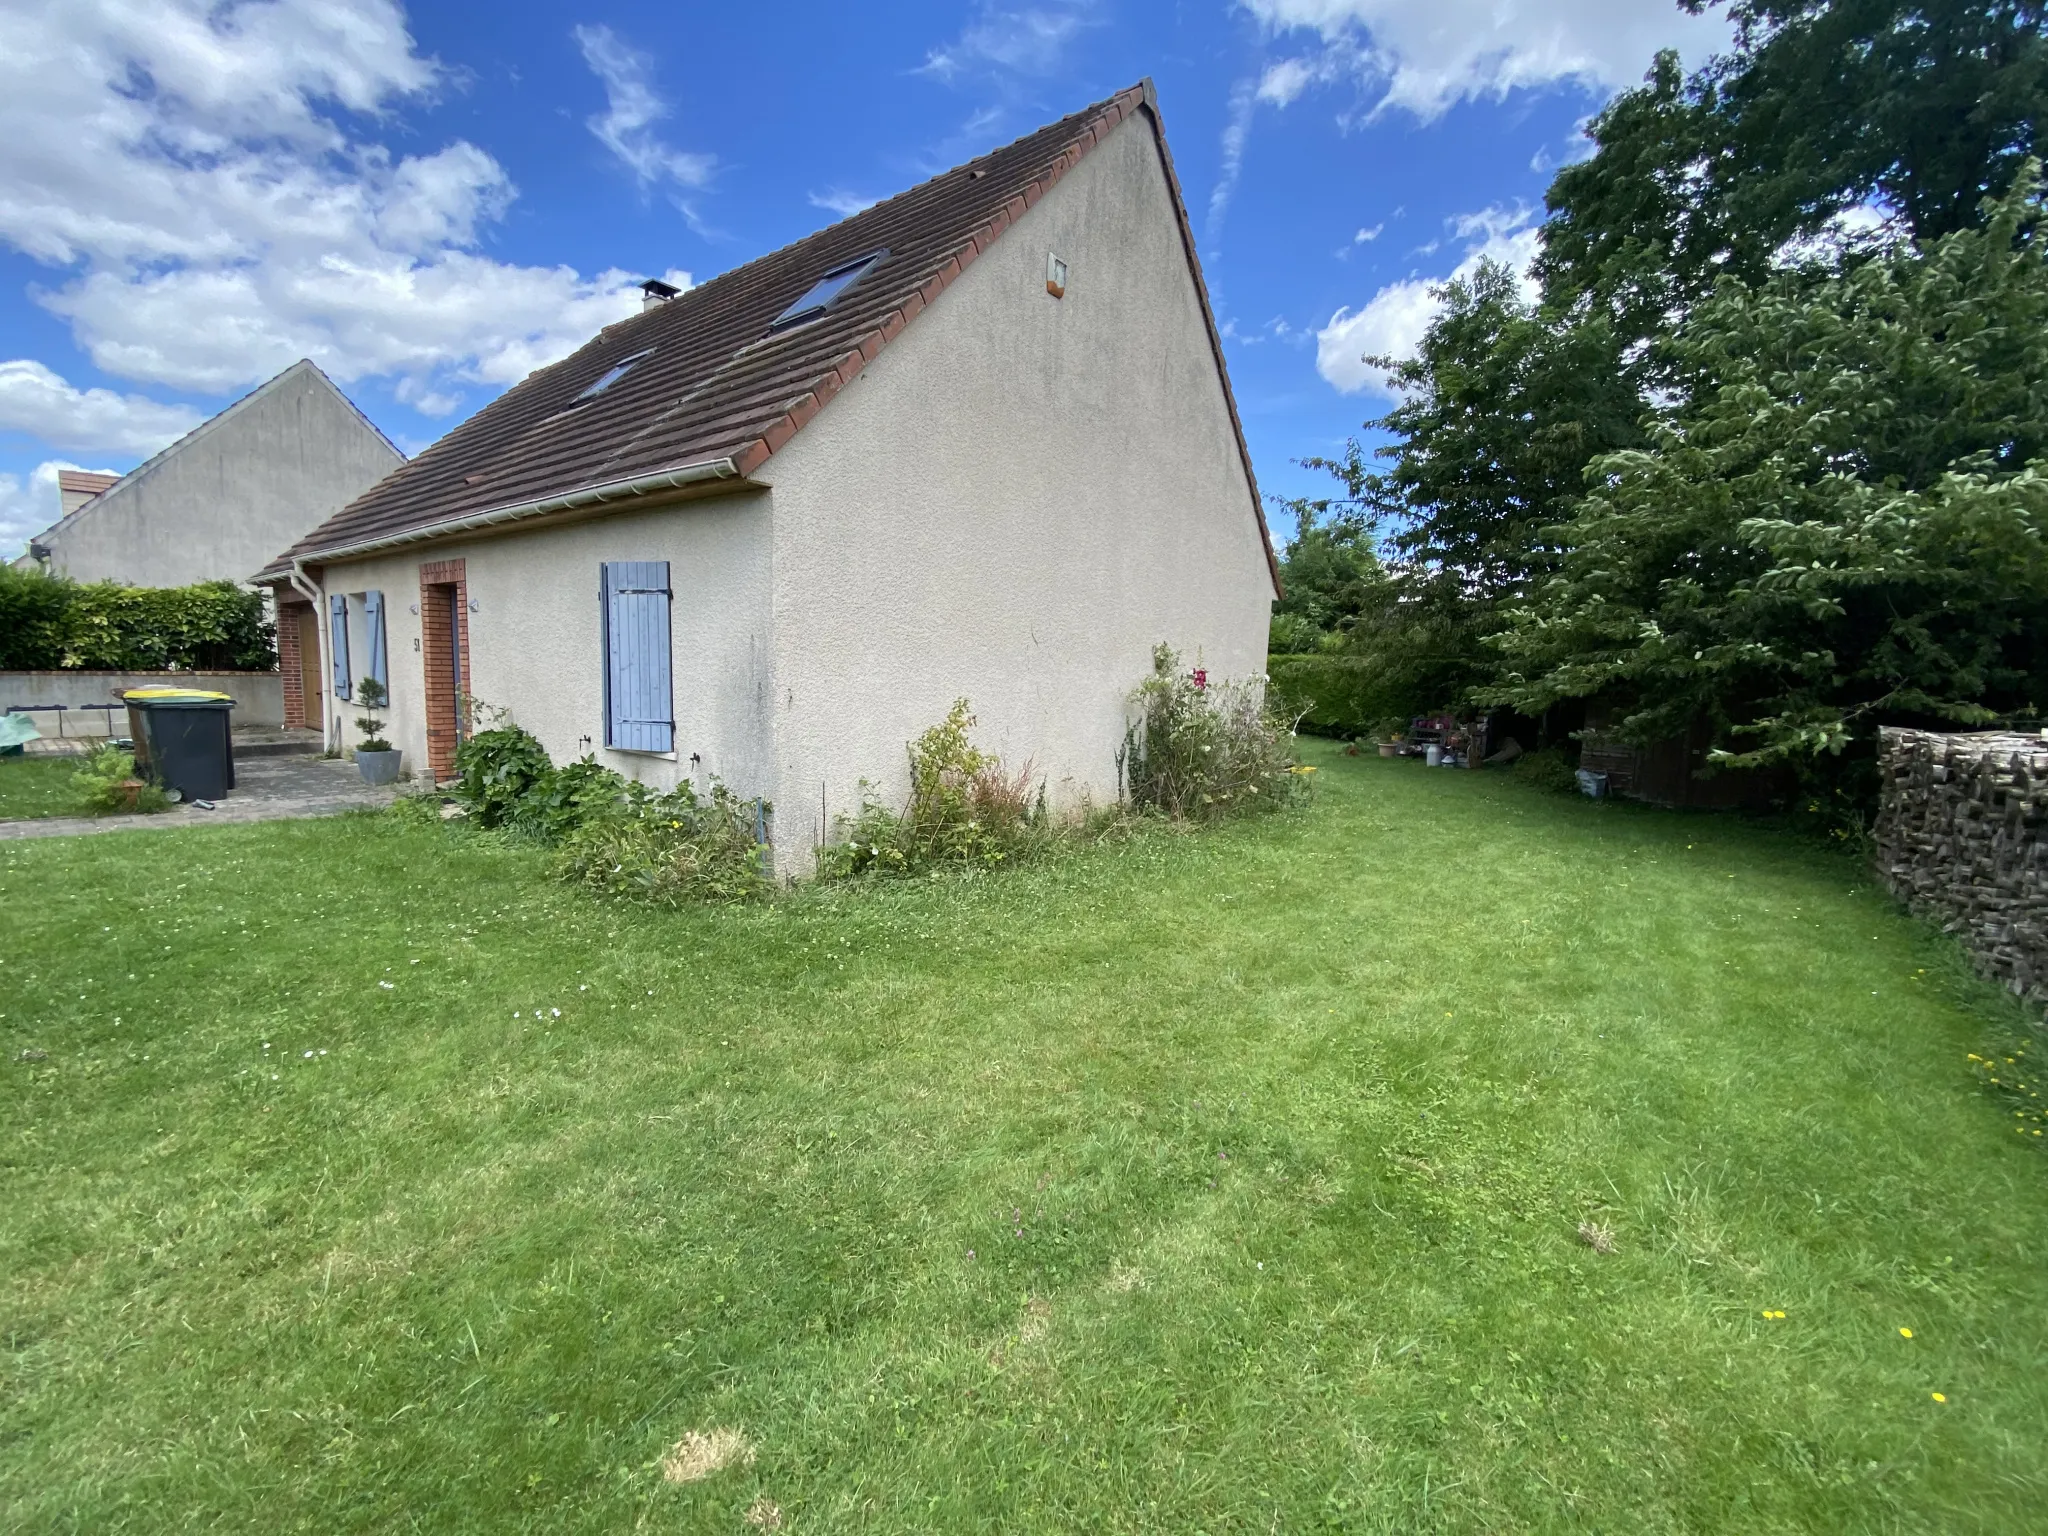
(337, 644)
(639, 712)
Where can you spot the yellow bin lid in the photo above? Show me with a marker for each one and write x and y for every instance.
(182, 694)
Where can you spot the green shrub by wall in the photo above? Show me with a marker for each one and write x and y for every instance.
(1343, 695)
(48, 623)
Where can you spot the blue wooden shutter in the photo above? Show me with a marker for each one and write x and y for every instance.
(639, 714)
(373, 620)
(337, 641)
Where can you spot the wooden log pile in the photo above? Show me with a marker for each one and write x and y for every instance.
(1960, 839)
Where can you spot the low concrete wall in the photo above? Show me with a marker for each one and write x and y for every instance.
(1960, 839)
(259, 696)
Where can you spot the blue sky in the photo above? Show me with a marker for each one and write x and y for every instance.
(432, 198)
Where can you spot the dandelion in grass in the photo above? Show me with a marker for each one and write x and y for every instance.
(1905, 1333)
(1939, 1397)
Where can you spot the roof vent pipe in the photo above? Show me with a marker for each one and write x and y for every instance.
(654, 292)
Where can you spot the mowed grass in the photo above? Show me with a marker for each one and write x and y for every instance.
(1206, 1183)
(34, 787)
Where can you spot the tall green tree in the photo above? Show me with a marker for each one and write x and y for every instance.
(1330, 573)
(1850, 526)
(1911, 110)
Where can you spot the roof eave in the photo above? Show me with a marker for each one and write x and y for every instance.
(681, 477)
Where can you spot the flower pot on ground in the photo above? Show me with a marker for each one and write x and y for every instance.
(376, 759)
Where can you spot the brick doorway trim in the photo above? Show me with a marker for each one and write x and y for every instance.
(298, 664)
(444, 646)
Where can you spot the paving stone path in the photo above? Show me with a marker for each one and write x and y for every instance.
(266, 789)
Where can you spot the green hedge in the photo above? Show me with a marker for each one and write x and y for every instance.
(49, 622)
(1343, 695)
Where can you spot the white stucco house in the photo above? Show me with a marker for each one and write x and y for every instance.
(221, 501)
(976, 441)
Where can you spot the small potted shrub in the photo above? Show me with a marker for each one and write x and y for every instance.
(376, 757)
(1393, 735)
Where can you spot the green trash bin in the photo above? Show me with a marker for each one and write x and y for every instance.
(182, 739)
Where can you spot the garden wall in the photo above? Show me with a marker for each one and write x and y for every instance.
(259, 696)
(1960, 840)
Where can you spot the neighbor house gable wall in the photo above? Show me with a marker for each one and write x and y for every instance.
(219, 505)
(1014, 502)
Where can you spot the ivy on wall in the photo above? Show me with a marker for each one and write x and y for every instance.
(49, 622)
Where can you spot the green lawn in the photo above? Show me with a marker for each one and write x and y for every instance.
(34, 787)
(1217, 1183)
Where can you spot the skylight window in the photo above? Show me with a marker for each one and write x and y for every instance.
(612, 375)
(826, 290)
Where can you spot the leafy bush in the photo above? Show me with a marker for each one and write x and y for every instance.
(49, 622)
(102, 784)
(965, 807)
(1551, 770)
(565, 798)
(669, 848)
(495, 770)
(615, 837)
(1201, 750)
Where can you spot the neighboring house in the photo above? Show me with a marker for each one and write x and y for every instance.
(224, 498)
(976, 441)
(75, 487)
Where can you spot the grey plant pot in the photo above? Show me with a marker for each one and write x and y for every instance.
(379, 767)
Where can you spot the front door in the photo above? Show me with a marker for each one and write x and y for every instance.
(441, 622)
(309, 666)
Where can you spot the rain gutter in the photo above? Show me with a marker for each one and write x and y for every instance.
(567, 501)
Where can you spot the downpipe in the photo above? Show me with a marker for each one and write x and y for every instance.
(317, 596)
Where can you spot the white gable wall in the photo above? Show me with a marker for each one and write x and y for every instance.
(1014, 503)
(219, 504)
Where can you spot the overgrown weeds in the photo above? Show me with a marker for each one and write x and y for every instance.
(110, 782)
(1549, 770)
(2012, 1072)
(1203, 750)
(671, 848)
(965, 808)
(614, 836)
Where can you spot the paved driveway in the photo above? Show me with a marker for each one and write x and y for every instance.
(266, 789)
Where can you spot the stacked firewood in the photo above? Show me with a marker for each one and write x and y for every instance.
(1960, 840)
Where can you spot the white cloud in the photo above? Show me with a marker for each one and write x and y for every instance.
(1365, 236)
(202, 175)
(1027, 41)
(1237, 132)
(27, 508)
(1393, 321)
(632, 108)
(37, 401)
(1283, 82)
(845, 204)
(1427, 57)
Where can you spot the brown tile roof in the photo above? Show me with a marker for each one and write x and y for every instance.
(718, 385)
